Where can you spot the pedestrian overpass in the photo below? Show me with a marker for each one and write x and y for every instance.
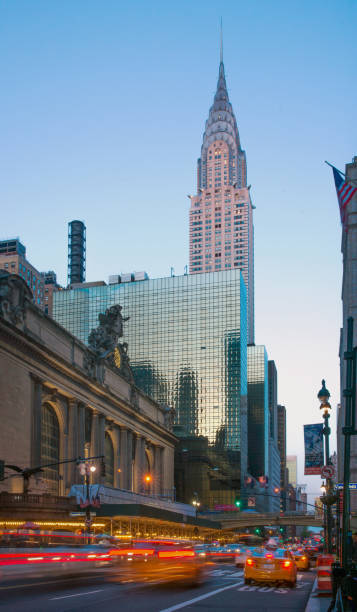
(237, 520)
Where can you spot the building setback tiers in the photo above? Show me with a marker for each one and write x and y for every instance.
(221, 214)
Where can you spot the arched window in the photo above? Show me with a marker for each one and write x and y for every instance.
(50, 447)
(109, 461)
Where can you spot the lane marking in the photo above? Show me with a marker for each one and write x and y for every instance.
(200, 598)
(76, 595)
(59, 581)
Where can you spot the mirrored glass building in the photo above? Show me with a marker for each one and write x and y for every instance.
(258, 412)
(187, 338)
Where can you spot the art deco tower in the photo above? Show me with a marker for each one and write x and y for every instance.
(221, 217)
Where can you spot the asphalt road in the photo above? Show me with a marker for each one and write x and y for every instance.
(101, 591)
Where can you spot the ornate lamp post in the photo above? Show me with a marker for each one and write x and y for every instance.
(196, 503)
(328, 497)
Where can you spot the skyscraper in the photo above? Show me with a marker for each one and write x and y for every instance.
(258, 412)
(187, 344)
(282, 451)
(291, 464)
(221, 217)
(13, 260)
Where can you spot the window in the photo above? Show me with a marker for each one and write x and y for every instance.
(109, 460)
(50, 447)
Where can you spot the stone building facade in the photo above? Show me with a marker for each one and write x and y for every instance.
(61, 400)
(349, 309)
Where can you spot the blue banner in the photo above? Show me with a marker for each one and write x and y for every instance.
(314, 448)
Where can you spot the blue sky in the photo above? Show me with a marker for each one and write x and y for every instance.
(102, 111)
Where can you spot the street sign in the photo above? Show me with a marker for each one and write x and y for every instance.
(353, 486)
(226, 508)
(81, 514)
(327, 471)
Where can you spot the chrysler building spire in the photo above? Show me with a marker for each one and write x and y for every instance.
(221, 214)
(221, 47)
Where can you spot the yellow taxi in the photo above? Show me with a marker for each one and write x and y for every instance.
(160, 561)
(301, 559)
(270, 566)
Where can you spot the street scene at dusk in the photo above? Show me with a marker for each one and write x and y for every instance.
(178, 306)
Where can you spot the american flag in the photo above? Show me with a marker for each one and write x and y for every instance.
(345, 192)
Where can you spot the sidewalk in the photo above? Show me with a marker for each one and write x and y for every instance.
(316, 603)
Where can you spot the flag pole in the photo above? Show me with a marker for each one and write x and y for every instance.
(349, 180)
(331, 166)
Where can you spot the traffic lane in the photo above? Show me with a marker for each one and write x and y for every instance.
(104, 587)
(224, 589)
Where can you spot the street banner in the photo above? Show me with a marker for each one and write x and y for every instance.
(314, 449)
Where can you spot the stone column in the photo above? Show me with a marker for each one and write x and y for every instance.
(81, 430)
(157, 470)
(36, 421)
(123, 458)
(129, 462)
(142, 466)
(116, 440)
(94, 435)
(100, 443)
(139, 464)
(72, 447)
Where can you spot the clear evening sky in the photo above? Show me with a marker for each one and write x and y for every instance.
(102, 110)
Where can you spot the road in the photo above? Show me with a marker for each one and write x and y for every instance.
(100, 591)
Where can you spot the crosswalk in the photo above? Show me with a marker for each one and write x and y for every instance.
(229, 574)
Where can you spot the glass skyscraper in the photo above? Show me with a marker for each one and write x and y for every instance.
(187, 338)
(258, 412)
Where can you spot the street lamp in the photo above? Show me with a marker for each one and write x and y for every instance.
(327, 497)
(196, 503)
(148, 481)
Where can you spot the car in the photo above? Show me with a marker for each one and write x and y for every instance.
(270, 566)
(155, 562)
(302, 560)
(242, 554)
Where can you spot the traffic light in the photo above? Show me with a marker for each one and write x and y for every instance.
(237, 502)
(257, 530)
(2, 469)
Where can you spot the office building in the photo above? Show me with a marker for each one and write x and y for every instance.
(187, 346)
(274, 455)
(258, 412)
(281, 413)
(291, 464)
(51, 285)
(349, 309)
(221, 214)
(273, 399)
(13, 260)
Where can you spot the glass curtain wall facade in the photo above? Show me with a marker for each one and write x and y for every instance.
(258, 411)
(187, 338)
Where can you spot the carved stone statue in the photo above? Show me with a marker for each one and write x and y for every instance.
(169, 417)
(14, 297)
(104, 338)
(103, 343)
